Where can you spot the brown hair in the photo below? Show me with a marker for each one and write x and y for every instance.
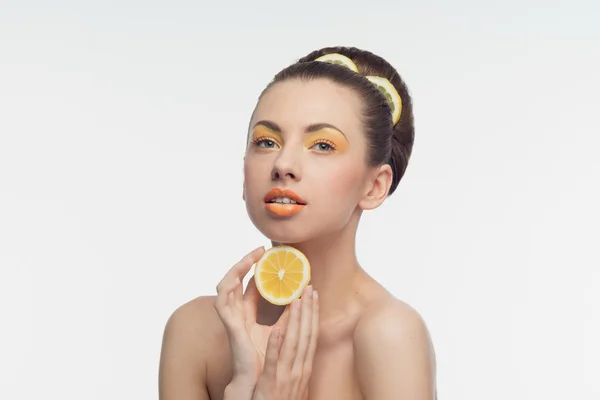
(388, 143)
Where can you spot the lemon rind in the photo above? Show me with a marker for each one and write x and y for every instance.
(389, 87)
(347, 61)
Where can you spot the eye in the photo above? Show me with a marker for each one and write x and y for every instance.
(265, 143)
(322, 145)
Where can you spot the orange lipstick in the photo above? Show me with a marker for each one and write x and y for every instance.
(283, 202)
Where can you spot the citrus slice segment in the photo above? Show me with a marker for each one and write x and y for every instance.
(339, 59)
(281, 274)
(390, 93)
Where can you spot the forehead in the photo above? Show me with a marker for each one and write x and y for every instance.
(298, 103)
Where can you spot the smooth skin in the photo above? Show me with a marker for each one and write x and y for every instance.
(347, 337)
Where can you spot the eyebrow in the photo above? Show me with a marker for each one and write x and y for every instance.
(310, 128)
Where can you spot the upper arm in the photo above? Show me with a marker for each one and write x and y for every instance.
(394, 355)
(182, 369)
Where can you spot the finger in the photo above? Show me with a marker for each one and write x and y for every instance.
(314, 336)
(250, 300)
(306, 322)
(231, 299)
(290, 342)
(252, 294)
(238, 293)
(223, 298)
(272, 354)
(305, 395)
(241, 268)
(284, 319)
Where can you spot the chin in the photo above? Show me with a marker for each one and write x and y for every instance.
(284, 231)
(292, 230)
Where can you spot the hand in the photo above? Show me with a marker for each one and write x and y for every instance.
(238, 312)
(289, 359)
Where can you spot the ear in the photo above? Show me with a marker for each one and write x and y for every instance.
(377, 188)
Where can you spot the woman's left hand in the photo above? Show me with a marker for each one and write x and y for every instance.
(289, 359)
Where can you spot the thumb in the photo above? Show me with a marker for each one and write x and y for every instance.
(252, 294)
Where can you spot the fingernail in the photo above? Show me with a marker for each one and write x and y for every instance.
(316, 295)
(277, 333)
(297, 304)
(309, 291)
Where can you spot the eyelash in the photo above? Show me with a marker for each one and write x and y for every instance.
(324, 141)
(257, 142)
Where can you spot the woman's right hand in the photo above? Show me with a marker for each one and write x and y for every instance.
(238, 312)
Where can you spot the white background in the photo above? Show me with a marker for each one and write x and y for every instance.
(122, 128)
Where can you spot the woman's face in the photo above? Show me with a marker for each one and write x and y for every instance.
(305, 137)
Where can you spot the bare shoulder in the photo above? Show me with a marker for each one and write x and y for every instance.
(195, 318)
(186, 345)
(394, 353)
(202, 307)
(390, 314)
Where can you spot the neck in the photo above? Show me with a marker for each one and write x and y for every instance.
(335, 271)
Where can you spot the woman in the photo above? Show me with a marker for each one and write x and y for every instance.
(328, 133)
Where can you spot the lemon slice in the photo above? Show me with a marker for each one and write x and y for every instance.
(390, 93)
(281, 274)
(339, 59)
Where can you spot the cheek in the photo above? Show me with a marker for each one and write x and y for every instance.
(255, 172)
(342, 183)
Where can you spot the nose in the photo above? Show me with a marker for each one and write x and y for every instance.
(287, 166)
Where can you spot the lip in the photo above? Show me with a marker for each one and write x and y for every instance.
(290, 194)
(284, 210)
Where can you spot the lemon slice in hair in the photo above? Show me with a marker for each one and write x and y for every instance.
(339, 59)
(390, 93)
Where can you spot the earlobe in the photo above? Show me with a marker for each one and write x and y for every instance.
(379, 187)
